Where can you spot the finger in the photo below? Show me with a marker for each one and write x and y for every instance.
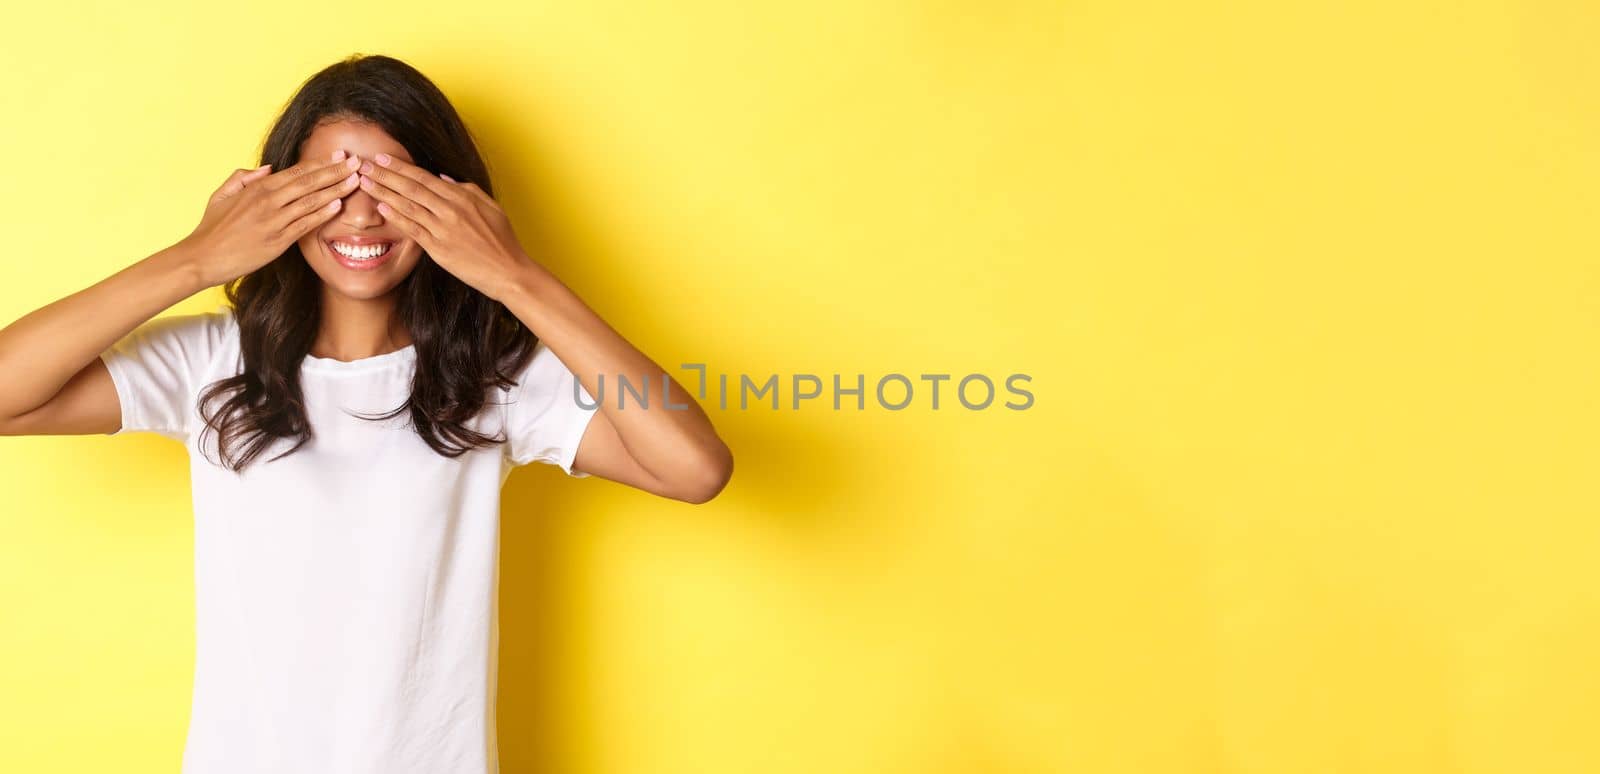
(409, 170)
(401, 203)
(422, 177)
(407, 226)
(303, 225)
(257, 173)
(238, 180)
(407, 185)
(470, 187)
(328, 174)
(286, 175)
(230, 186)
(317, 199)
(289, 175)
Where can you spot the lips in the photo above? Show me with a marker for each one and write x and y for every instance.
(359, 253)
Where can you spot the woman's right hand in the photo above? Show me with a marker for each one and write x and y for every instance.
(254, 216)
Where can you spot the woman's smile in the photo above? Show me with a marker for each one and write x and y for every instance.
(359, 253)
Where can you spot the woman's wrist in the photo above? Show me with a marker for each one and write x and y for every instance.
(527, 284)
(185, 266)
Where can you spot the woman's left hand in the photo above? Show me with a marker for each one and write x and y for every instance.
(460, 226)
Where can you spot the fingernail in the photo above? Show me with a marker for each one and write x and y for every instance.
(447, 177)
(384, 208)
(338, 155)
(366, 182)
(334, 205)
(383, 159)
(366, 168)
(353, 178)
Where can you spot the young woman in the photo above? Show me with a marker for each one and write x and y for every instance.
(387, 355)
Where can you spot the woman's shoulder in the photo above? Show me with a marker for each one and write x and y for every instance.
(202, 339)
(177, 349)
(208, 330)
(191, 330)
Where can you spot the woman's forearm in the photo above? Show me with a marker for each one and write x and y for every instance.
(674, 443)
(42, 350)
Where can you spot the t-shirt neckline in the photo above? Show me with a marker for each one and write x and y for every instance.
(398, 357)
(401, 356)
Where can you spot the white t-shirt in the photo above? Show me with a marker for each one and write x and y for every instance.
(346, 616)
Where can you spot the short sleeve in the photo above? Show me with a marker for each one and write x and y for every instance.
(157, 370)
(546, 414)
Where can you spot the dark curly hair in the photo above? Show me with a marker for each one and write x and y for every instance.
(466, 343)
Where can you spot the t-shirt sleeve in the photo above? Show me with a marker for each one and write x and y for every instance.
(157, 370)
(546, 414)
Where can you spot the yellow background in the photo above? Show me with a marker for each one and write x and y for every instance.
(1307, 291)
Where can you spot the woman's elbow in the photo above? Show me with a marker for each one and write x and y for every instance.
(709, 477)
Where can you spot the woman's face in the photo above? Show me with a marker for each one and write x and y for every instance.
(358, 254)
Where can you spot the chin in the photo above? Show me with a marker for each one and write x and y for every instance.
(362, 291)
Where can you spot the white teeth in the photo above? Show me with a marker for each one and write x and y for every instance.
(360, 252)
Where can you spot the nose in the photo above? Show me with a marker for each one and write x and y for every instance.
(360, 210)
